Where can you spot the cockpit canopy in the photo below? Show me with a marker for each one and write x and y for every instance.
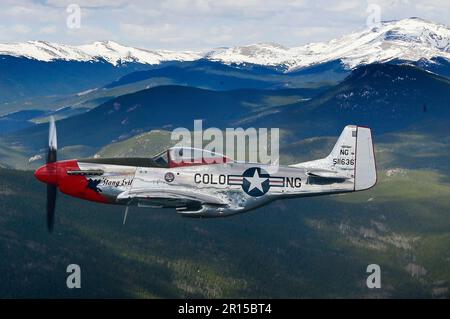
(189, 156)
(172, 157)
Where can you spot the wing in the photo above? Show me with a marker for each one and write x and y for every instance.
(170, 198)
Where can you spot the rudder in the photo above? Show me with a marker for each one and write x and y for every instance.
(365, 165)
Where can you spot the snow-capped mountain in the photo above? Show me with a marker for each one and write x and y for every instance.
(409, 39)
(109, 51)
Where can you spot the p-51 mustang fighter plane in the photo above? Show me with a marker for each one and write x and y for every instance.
(211, 184)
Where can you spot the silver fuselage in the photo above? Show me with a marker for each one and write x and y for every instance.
(223, 187)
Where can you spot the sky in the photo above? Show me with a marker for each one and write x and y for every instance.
(202, 24)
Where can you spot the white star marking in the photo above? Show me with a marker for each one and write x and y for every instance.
(256, 181)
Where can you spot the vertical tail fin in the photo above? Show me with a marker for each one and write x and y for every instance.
(343, 156)
(353, 156)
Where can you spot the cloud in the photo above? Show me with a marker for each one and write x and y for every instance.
(88, 3)
(47, 29)
(343, 6)
(20, 28)
(30, 13)
(89, 34)
(160, 30)
(202, 24)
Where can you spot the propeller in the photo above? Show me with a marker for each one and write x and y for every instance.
(51, 189)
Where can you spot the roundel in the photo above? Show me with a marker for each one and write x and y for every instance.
(255, 181)
(169, 177)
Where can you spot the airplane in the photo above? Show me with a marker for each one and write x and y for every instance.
(210, 184)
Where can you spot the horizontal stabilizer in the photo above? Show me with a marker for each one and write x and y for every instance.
(328, 174)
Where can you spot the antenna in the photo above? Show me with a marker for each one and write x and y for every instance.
(125, 215)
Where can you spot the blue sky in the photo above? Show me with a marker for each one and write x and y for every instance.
(202, 24)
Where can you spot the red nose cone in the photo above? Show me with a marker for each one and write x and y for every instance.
(47, 174)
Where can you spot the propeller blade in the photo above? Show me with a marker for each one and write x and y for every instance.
(51, 189)
(52, 142)
(51, 202)
(51, 156)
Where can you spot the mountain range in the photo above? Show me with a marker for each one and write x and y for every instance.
(42, 75)
(409, 39)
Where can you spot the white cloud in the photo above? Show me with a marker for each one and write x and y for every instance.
(88, 3)
(31, 13)
(202, 24)
(48, 29)
(20, 28)
(343, 6)
(139, 31)
(89, 34)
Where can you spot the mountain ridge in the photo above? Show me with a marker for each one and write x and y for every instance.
(167, 106)
(409, 39)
